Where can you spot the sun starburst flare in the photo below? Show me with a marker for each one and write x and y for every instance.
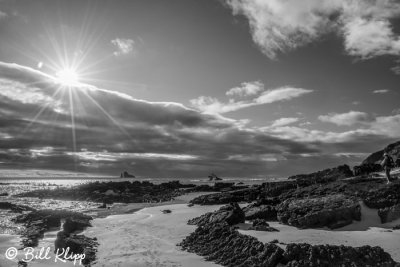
(67, 77)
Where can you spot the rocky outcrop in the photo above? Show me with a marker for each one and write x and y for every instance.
(275, 189)
(297, 255)
(15, 207)
(76, 244)
(389, 214)
(260, 211)
(214, 177)
(230, 214)
(262, 225)
(386, 196)
(39, 221)
(333, 211)
(224, 245)
(126, 174)
(376, 157)
(248, 194)
(324, 176)
(110, 192)
(365, 169)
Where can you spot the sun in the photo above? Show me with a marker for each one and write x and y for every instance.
(67, 77)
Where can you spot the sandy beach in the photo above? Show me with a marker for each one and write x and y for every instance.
(148, 237)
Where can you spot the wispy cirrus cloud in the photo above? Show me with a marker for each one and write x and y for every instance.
(124, 46)
(347, 119)
(280, 26)
(246, 89)
(284, 121)
(381, 91)
(214, 106)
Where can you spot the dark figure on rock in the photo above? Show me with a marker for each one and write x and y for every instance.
(387, 164)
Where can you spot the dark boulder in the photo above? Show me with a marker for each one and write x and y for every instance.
(240, 195)
(214, 177)
(231, 214)
(297, 255)
(383, 197)
(333, 211)
(259, 211)
(15, 207)
(224, 245)
(39, 221)
(77, 244)
(389, 214)
(262, 225)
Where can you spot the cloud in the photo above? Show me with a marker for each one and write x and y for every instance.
(124, 46)
(280, 26)
(281, 94)
(396, 69)
(381, 91)
(369, 38)
(284, 121)
(107, 132)
(348, 119)
(214, 106)
(246, 89)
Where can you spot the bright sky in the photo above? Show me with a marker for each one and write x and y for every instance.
(184, 88)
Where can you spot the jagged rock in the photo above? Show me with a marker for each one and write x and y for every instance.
(126, 174)
(231, 214)
(333, 211)
(383, 197)
(166, 211)
(248, 194)
(214, 177)
(262, 225)
(324, 176)
(389, 214)
(257, 211)
(110, 192)
(224, 245)
(15, 207)
(3, 194)
(77, 244)
(297, 255)
(271, 201)
(39, 221)
(365, 169)
(275, 189)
